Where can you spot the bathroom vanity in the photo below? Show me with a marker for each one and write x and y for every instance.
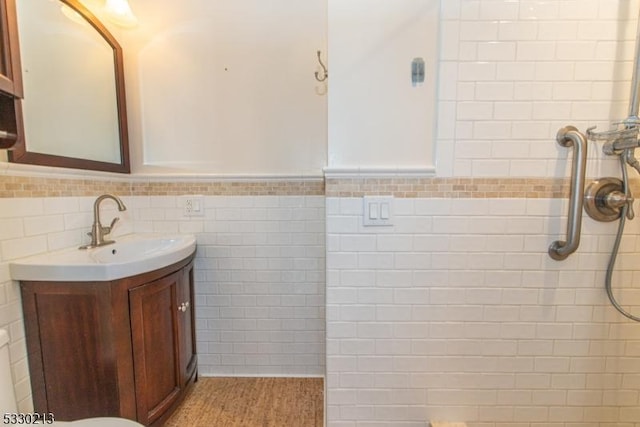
(121, 348)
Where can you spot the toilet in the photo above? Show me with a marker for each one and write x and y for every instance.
(8, 399)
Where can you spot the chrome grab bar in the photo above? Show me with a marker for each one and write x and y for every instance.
(570, 136)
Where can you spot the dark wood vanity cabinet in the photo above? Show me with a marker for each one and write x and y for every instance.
(124, 348)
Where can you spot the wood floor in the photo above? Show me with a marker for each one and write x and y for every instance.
(252, 402)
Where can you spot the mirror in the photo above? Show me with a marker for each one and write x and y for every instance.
(73, 111)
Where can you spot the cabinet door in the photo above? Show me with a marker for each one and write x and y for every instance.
(188, 359)
(154, 326)
(71, 353)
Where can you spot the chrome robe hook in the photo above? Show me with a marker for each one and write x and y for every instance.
(325, 73)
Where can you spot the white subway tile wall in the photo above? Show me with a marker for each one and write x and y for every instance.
(457, 313)
(466, 318)
(259, 280)
(513, 72)
(259, 274)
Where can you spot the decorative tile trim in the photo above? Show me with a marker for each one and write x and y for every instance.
(400, 187)
(452, 188)
(230, 188)
(26, 186)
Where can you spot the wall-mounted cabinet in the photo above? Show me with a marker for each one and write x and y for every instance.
(123, 348)
(10, 75)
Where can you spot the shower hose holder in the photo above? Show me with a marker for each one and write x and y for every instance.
(623, 137)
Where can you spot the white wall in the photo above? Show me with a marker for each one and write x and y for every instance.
(457, 313)
(227, 87)
(513, 73)
(259, 280)
(510, 75)
(259, 274)
(509, 71)
(413, 317)
(376, 117)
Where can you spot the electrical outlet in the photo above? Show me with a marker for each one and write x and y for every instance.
(194, 206)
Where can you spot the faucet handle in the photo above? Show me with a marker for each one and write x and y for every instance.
(113, 222)
(630, 213)
(107, 230)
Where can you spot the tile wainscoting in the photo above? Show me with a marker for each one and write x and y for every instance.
(455, 312)
(259, 280)
(259, 268)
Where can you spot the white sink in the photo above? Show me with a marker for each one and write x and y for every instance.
(130, 255)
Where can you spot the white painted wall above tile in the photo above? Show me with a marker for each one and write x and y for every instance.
(227, 87)
(376, 117)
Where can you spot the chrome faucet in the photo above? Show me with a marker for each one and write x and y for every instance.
(98, 231)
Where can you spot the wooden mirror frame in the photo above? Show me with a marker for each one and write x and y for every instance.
(20, 152)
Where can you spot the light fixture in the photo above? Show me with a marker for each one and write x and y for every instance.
(119, 12)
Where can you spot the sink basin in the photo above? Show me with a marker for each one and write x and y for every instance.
(130, 255)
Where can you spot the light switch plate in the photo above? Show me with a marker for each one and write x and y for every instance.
(377, 211)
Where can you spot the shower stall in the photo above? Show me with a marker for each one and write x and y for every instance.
(605, 199)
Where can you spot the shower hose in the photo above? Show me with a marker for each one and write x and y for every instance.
(616, 246)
